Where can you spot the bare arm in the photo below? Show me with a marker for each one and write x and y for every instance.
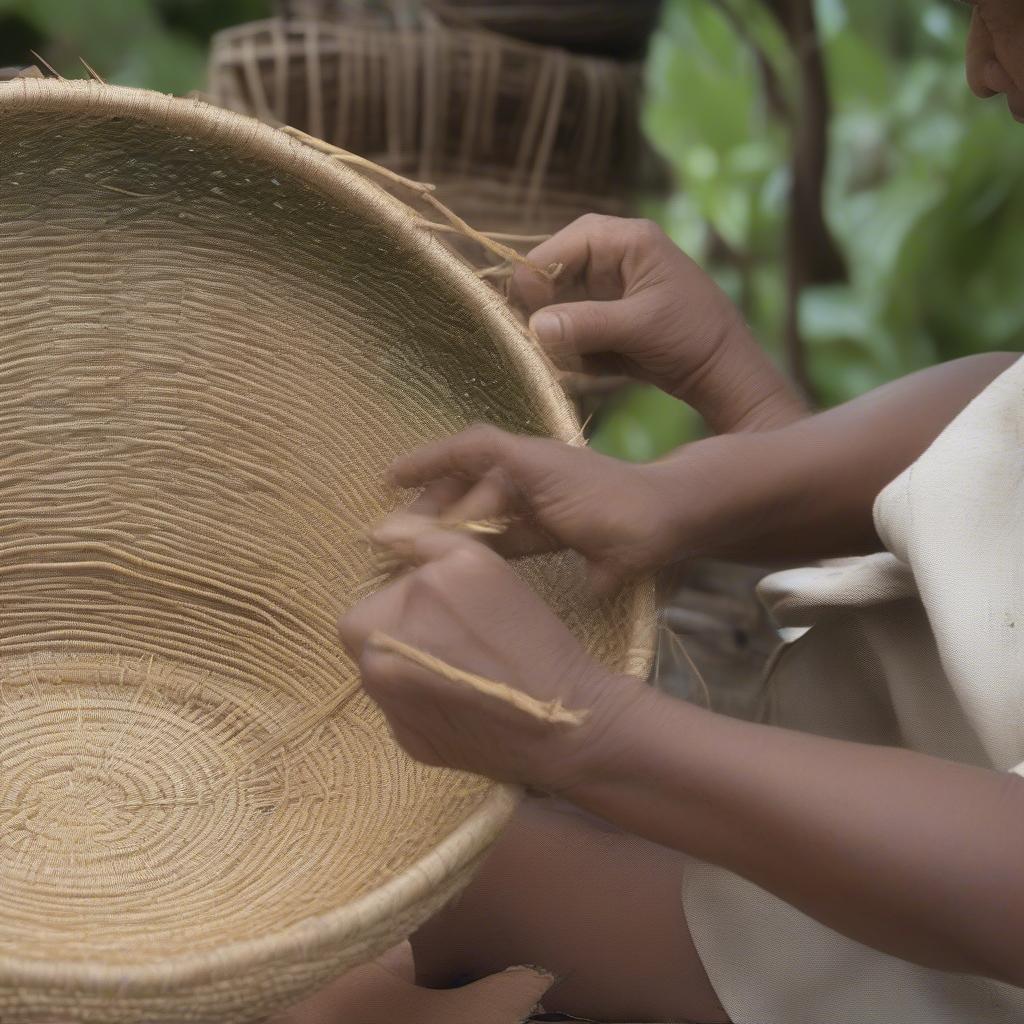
(914, 856)
(802, 491)
(807, 490)
(909, 854)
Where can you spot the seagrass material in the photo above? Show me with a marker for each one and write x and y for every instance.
(518, 138)
(213, 340)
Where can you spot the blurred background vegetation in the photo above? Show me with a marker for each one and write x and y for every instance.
(160, 44)
(924, 193)
(913, 254)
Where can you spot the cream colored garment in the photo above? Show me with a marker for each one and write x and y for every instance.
(921, 647)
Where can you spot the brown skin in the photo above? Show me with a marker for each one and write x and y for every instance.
(803, 491)
(629, 301)
(995, 52)
(914, 856)
(858, 838)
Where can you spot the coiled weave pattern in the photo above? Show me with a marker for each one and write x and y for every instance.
(213, 340)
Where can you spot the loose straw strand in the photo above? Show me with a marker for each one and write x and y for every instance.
(678, 647)
(552, 712)
(93, 73)
(46, 64)
(424, 190)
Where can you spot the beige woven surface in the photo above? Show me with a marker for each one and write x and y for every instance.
(213, 339)
(611, 27)
(517, 137)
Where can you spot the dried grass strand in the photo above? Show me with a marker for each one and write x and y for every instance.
(93, 73)
(49, 67)
(679, 649)
(552, 712)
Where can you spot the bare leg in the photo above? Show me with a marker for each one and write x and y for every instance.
(599, 908)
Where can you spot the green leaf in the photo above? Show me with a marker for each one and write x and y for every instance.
(644, 424)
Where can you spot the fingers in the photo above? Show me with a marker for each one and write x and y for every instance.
(578, 329)
(420, 543)
(379, 611)
(984, 73)
(490, 498)
(442, 557)
(513, 477)
(452, 501)
(471, 455)
(590, 252)
(420, 539)
(439, 496)
(434, 545)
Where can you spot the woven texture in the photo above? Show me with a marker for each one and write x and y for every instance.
(213, 340)
(607, 27)
(518, 138)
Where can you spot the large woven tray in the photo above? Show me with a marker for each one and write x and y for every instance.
(213, 340)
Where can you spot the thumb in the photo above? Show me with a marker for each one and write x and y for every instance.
(574, 329)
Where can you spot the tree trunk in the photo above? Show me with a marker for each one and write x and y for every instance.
(812, 254)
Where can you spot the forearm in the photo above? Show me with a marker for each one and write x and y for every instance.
(806, 491)
(914, 856)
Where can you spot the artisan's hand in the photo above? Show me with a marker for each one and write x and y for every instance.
(801, 492)
(464, 605)
(558, 496)
(629, 301)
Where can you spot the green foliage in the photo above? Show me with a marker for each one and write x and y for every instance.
(643, 424)
(925, 192)
(160, 44)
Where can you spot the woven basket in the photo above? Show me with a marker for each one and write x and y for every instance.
(613, 28)
(213, 339)
(518, 138)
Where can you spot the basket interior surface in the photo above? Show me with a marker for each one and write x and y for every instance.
(206, 362)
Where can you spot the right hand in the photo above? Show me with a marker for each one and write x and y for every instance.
(618, 515)
(630, 301)
(461, 603)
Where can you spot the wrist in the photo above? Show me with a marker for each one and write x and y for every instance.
(736, 387)
(597, 751)
(649, 767)
(727, 496)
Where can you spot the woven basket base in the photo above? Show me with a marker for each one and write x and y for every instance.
(138, 811)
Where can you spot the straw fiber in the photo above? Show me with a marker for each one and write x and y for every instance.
(612, 28)
(213, 339)
(518, 138)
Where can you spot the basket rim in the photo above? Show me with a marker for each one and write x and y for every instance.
(297, 26)
(247, 137)
(457, 850)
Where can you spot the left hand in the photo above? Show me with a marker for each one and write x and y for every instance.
(620, 516)
(463, 604)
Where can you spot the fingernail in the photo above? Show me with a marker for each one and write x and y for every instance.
(547, 327)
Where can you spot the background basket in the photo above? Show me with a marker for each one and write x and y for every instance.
(214, 340)
(519, 138)
(610, 28)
